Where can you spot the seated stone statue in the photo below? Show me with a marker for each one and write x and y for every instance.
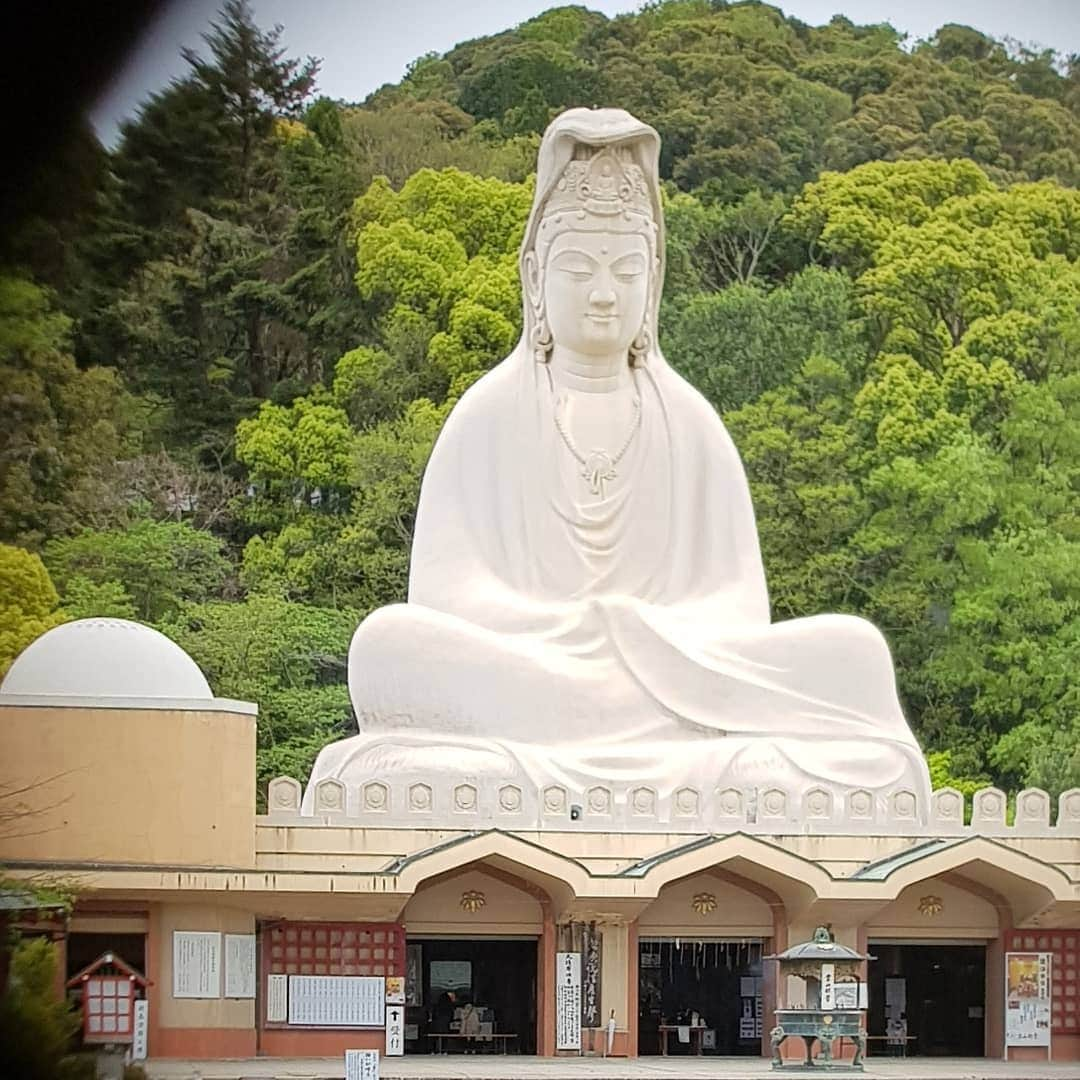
(587, 602)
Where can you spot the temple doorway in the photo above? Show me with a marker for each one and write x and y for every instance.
(475, 995)
(700, 996)
(927, 999)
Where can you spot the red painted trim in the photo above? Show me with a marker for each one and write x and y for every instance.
(292, 1042)
(632, 989)
(545, 987)
(154, 989)
(205, 1043)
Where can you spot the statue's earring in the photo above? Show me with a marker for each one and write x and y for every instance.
(640, 346)
(540, 336)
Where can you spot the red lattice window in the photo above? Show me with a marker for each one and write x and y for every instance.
(107, 1009)
(1064, 945)
(310, 948)
(336, 949)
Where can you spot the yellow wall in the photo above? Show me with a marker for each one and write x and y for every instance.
(198, 1012)
(962, 915)
(506, 910)
(168, 787)
(738, 913)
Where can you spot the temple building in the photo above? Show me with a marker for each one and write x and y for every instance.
(137, 787)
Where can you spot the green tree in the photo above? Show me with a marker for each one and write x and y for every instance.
(158, 565)
(28, 602)
(36, 1029)
(290, 658)
(64, 428)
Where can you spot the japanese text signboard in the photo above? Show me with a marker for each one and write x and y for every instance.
(1027, 999)
(568, 1001)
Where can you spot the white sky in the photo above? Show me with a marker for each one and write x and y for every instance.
(365, 43)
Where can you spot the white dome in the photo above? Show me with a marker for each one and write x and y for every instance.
(106, 658)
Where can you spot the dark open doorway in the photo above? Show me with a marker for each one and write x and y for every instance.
(701, 996)
(84, 949)
(939, 993)
(471, 995)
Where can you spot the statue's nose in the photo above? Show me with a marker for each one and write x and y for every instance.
(602, 297)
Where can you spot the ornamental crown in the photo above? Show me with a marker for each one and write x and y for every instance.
(602, 181)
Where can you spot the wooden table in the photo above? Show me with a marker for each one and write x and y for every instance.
(698, 1030)
(495, 1038)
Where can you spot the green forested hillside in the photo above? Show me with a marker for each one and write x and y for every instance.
(226, 347)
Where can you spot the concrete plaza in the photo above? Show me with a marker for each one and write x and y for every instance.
(459, 1067)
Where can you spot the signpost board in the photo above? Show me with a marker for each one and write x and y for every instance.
(568, 1001)
(277, 998)
(395, 1030)
(140, 1029)
(1027, 999)
(361, 1065)
(239, 965)
(337, 1000)
(196, 964)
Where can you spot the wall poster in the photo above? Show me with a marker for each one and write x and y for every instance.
(239, 965)
(196, 964)
(1027, 999)
(568, 1001)
(337, 1000)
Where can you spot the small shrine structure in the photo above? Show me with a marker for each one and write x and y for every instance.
(109, 987)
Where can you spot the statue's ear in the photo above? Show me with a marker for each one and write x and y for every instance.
(531, 279)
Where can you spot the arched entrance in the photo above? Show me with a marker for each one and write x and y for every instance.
(929, 988)
(480, 950)
(702, 987)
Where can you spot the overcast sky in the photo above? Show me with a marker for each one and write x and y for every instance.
(365, 43)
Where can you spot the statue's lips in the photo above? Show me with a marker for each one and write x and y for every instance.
(600, 318)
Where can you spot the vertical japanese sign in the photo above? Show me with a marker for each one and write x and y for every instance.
(277, 998)
(140, 1027)
(828, 986)
(395, 1030)
(1027, 999)
(591, 944)
(568, 1001)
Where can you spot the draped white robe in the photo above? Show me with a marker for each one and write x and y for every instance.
(554, 638)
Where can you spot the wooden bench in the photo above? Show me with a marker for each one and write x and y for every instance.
(496, 1038)
(898, 1043)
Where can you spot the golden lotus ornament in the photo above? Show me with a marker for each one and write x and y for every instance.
(931, 905)
(472, 901)
(703, 903)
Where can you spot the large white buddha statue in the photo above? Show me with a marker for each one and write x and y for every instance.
(587, 603)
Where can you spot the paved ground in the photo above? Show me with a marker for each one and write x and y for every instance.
(458, 1067)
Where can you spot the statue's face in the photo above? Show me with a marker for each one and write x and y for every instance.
(596, 286)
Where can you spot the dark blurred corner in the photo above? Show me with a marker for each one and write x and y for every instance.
(57, 57)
